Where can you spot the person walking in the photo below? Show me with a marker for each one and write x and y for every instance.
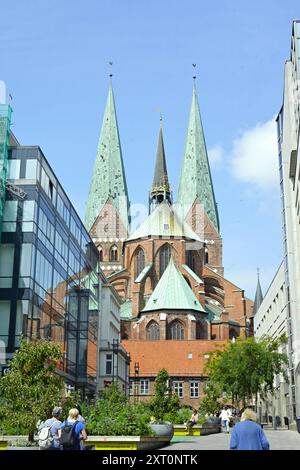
(225, 419)
(49, 438)
(248, 435)
(72, 431)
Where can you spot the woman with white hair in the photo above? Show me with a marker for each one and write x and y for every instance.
(248, 435)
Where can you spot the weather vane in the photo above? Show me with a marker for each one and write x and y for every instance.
(110, 65)
(194, 77)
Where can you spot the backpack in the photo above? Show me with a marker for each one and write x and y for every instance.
(68, 439)
(45, 437)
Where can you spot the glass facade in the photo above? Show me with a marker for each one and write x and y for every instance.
(48, 270)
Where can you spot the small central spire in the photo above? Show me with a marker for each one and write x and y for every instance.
(160, 190)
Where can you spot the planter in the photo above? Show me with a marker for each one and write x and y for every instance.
(127, 442)
(163, 430)
(197, 430)
(3, 444)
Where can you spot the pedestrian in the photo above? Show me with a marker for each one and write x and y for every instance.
(72, 431)
(248, 435)
(224, 415)
(49, 431)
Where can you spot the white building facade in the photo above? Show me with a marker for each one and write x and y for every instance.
(271, 320)
(113, 359)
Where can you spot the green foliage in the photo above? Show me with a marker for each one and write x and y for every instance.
(69, 402)
(165, 402)
(245, 368)
(31, 388)
(113, 415)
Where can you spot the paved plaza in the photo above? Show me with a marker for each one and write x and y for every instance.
(279, 440)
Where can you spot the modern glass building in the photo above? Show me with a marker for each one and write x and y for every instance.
(49, 280)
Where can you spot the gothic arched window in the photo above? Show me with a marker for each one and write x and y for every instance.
(139, 262)
(164, 258)
(190, 260)
(100, 249)
(113, 255)
(206, 255)
(176, 331)
(153, 333)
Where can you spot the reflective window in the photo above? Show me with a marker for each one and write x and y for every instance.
(176, 331)
(48, 186)
(62, 209)
(13, 169)
(26, 264)
(31, 169)
(153, 332)
(10, 216)
(6, 265)
(29, 216)
(4, 320)
(164, 258)
(46, 230)
(43, 274)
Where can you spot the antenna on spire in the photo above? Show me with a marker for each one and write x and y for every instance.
(195, 76)
(160, 119)
(258, 273)
(110, 69)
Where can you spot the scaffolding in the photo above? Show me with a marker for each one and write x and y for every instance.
(5, 117)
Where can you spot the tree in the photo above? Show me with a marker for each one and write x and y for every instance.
(247, 368)
(32, 387)
(164, 401)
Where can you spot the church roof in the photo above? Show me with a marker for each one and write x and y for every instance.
(172, 292)
(258, 297)
(195, 180)
(160, 180)
(108, 179)
(164, 221)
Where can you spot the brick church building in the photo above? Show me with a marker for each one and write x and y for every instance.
(177, 303)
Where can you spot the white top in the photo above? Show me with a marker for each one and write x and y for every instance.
(224, 415)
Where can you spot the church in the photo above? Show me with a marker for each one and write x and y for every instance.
(177, 303)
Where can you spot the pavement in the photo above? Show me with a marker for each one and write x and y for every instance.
(279, 440)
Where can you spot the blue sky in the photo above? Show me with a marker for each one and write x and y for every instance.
(54, 60)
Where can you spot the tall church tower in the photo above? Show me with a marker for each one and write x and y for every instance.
(107, 208)
(196, 199)
(160, 190)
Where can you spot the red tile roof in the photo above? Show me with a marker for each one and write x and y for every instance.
(185, 358)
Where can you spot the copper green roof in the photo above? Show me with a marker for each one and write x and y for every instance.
(108, 179)
(160, 180)
(195, 180)
(143, 273)
(258, 297)
(165, 222)
(172, 292)
(125, 310)
(193, 274)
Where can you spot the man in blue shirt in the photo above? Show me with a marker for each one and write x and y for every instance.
(248, 435)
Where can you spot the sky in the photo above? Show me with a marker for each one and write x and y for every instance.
(54, 60)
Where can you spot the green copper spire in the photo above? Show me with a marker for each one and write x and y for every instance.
(160, 190)
(173, 292)
(258, 296)
(108, 180)
(195, 180)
